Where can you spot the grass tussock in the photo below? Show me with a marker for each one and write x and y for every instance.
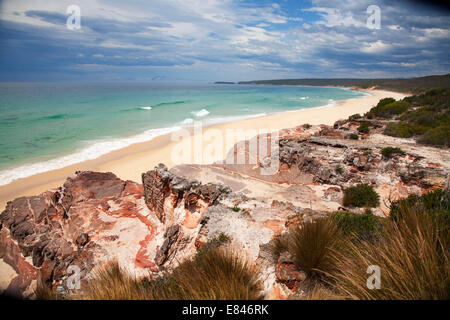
(312, 243)
(43, 292)
(412, 256)
(111, 282)
(213, 274)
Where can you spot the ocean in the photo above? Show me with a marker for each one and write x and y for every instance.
(46, 126)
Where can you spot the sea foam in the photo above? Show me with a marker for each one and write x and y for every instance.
(200, 113)
(93, 151)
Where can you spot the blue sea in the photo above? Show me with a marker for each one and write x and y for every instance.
(45, 126)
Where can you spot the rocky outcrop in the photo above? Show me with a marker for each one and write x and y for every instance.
(92, 218)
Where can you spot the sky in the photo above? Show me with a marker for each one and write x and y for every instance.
(220, 40)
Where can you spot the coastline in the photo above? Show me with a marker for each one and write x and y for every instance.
(130, 162)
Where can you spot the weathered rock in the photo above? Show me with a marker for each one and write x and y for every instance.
(73, 226)
(171, 237)
(287, 272)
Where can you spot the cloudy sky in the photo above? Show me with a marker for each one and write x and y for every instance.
(210, 40)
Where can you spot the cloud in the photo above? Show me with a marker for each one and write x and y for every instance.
(184, 40)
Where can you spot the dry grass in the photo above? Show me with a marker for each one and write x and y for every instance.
(216, 274)
(213, 274)
(111, 282)
(311, 244)
(43, 292)
(413, 261)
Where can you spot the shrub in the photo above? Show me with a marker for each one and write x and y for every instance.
(235, 209)
(339, 169)
(363, 226)
(389, 152)
(384, 102)
(353, 136)
(403, 129)
(439, 136)
(388, 107)
(361, 195)
(407, 254)
(307, 126)
(354, 117)
(364, 127)
(311, 244)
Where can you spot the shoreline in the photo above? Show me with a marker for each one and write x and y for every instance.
(130, 162)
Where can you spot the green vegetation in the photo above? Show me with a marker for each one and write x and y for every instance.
(353, 136)
(389, 152)
(388, 107)
(339, 170)
(213, 274)
(435, 204)
(364, 127)
(356, 116)
(415, 85)
(312, 243)
(402, 129)
(361, 195)
(362, 226)
(223, 237)
(428, 118)
(235, 209)
(412, 254)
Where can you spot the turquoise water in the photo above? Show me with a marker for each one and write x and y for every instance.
(45, 126)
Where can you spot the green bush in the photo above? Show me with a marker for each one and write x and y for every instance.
(339, 169)
(384, 102)
(353, 136)
(364, 127)
(389, 152)
(387, 110)
(403, 130)
(363, 226)
(355, 116)
(361, 195)
(439, 136)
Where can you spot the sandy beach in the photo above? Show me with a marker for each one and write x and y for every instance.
(130, 162)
